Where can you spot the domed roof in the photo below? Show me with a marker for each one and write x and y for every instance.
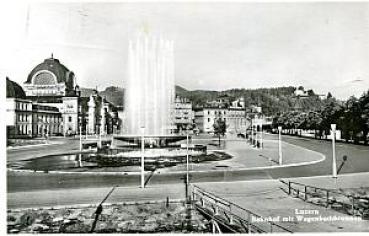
(14, 90)
(53, 65)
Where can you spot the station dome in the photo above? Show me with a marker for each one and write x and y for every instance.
(50, 78)
(14, 90)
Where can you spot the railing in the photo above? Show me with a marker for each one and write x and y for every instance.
(349, 204)
(230, 216)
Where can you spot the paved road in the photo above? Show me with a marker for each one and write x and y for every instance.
(55, 146)
(358, 162)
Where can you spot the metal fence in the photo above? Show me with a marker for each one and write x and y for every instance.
(349, 204)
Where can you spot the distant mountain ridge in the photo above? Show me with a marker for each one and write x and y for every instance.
(272, 100)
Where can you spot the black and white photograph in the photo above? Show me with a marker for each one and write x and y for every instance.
(184, 117)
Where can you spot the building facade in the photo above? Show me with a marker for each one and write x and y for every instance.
(51, 104)
(27, 119)
(232, 113)
(183, 115)
(205, 118)
(18, 117)
(101, 116)
(46, 120)
(52, 84)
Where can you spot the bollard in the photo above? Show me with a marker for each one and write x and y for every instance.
(249, 223)
(231, 221)
(305, 197)
(289, 188)
(213, 224)
(167, 202)
(216, 210)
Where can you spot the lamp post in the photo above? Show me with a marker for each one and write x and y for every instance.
(252, 133)
(47, 132)
(187, 164)
(80, 137)
(261, 135)
(142, 157)
(86, 131)
(100, 142)
(280, 158)
(334, 166)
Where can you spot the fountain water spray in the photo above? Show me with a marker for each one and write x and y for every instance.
(149, 97)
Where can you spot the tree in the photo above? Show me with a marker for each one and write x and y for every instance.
(329, 95)
(330, 115)
(219, 128)
(310, 92)
(364, 104)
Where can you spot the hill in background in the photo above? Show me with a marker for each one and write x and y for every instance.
(272, 100)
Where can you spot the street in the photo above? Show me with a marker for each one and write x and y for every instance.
(358, 162)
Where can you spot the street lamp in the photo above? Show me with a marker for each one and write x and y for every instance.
(280, 145)
(187, 162)
(80, 137)
(187, 165)
(86, 131)
(100, 141)
(261, 135)
(334, 166)
(142, 157)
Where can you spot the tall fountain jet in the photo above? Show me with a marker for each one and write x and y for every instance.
(149, 96)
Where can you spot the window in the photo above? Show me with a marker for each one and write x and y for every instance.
(44, 78)
(208, 119)
(69, 119)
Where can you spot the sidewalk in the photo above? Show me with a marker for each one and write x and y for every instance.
(89, 196)
(265, 198)
(244, 156)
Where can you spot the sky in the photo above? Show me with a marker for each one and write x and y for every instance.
(217, 46)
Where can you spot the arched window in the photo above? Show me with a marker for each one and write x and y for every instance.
(44, 78)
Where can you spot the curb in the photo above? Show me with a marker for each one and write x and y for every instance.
(31, 146)
(87, 205)
(323, 157)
